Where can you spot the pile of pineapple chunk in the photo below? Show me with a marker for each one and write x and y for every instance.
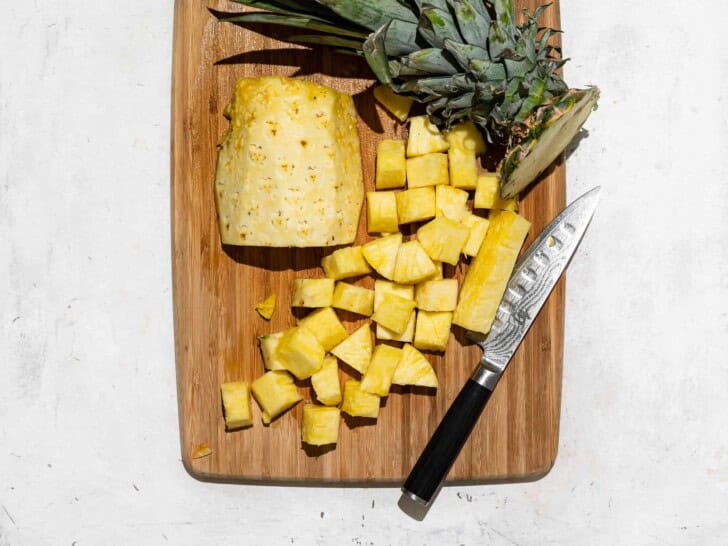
(412, 303)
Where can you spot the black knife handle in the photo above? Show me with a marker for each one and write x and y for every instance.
(445, 445)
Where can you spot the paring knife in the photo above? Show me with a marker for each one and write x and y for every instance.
(534, 277)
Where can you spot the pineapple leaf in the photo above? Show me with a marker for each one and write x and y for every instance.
(430, 61)
(371, 14)
(473, 26)
(291, 21)
(401, 38)
(293, 7)
(436, 25)
(376, 56)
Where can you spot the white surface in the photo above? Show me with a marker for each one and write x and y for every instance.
(88, 420)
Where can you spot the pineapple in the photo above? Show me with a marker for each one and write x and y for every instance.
(356, 350)
(359, 403)
(268, 346)
(394, 312)
(325, 327)
(433, 330)
(325, 382)
(266, 307)
(382, 212)
(438, 275)
(320, 425)
(408, 335)
(381, 254)
(415, 205)
(463, 168)
(413, 264)
(397, 105)
(510, 204)
(275, 392)
(384, 287)
(478, 228)
(443, 240)
(344, 263)
(439, 295)
(465, 136)
(379, 375)
(427, 170)
(487, 277)
(414, 369)
(451, 203)
(424, 137)
(356, 299)
(487, 192)
(300, 352)
(391, 166)
(312, 293)
(236, 402)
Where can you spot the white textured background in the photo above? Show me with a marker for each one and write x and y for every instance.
(89, 448)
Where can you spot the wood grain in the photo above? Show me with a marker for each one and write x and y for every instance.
(216, 289)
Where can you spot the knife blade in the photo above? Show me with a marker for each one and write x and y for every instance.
(534, 277)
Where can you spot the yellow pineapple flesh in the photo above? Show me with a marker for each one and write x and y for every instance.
(478, 227)
(391, 166)
(416, 205)
(443, 240)
(414, 369)
(413, 264)
(405, 291)
(424, 137)
(345, 262)
(382, 212)
(378, 377)
(397, 105)
(275, 392)
(356, 350)
(312, 292)
(325, 382)
(320, 425)
(463, 168)
(433, 330)
(427, 170)
(451, 203)
(466, 136)
(440, 295)
(487, 192)
(300, 352)
(359, 403)
(355, 299)
(381, 254)
(266, 307)
(236, 403)
(394, 312)
(268, 346)
(325, 326)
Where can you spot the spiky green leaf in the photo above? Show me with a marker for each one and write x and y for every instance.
(371, 14)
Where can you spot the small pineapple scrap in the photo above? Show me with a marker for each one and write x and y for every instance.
(433, 330)
(443, 240)
(439, 295)
(414, 369)
(344, 263)
(379, 375)
(356, 350)
(355, 299)
(398, 105)
(268, 347)
(359, 403)
(427, 170)
(487, 192)
(325, 327)
(325, 382)
(510, 204)
(413, 264)
(380, 289)
(275, 392)
(466, 136)
(266, 307)
(236, 403)
(394, 312)
(312, 292)
(451, 203)
(320, 425)
(300, 352)
(382, 212)
(424, 137)
(202, 450)
(391, 165)
(381, 254)
(478, 228)
(416, 205)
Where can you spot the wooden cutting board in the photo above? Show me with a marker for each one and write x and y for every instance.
(216, 289)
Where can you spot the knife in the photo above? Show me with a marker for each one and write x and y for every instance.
(534, 277)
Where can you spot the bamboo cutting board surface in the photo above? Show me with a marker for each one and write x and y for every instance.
(216, 289)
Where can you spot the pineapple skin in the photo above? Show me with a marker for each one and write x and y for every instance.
(382, 212)
(391, 168)
(359, 403)
(312, 293)
(433, 330)
(381, 254)
(397, 105)
(414, 369)
(424, 137)
(355, 299)
(427, 170)
(356, 350)
(478, 229)
(378, 378)
(320, 425)
(275, 393)
(486, 279)
(300, 352)
(413, 264)
(325, 382)
(394, 312)
(236, 403)
(440, 295)
(268, 347)
(452, 203)
(325, 326)
(344, 263)
(443, 240)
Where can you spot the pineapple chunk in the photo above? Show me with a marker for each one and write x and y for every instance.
(487, 192)
(379, 375)
(382, 254)
(433, 330)
(359, 403)
(391, 165)
(467, 137)
(320, 425)
(325, 382)
(382, 212)
(275, 392)
(424, 137)
(487, 277)
(394, 312)
(397, 105)
(312, 292)
(451, 203)
(300, 352)
(268, 346)
(266, 307)
(202, 450)
(439, 295)
(438, 275)
(413, 264)
(414, 369)
(427, 170)
(356, 299)
(390, 335)
(325, 327)
(478, 228)
(380, 289)
(508, 204)
(356, 350)
(344, 263)
(463, 168)
(443, 240)
(236, 402)
(415, 205)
